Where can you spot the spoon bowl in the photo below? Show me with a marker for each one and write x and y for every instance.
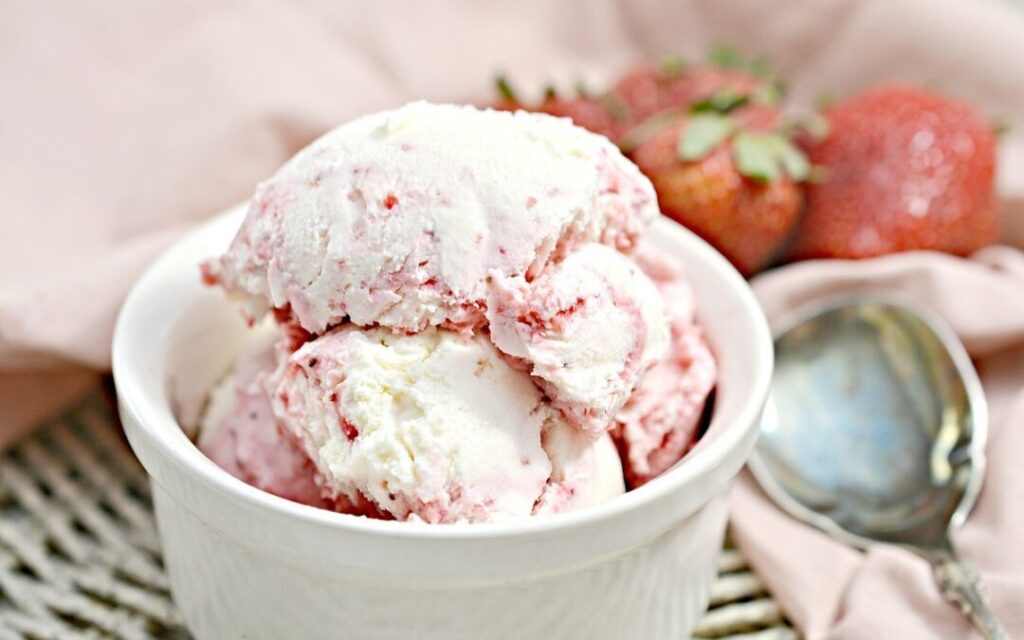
(875, 432)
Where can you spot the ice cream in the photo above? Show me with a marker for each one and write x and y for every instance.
(239, 432)
(397, 218)
(583, 473)
(464, 331)
(659, 421)
(433, 426)
(588, 328)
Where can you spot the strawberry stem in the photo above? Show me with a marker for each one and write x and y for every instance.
(504, 88)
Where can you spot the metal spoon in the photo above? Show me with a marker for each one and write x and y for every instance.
(875, 432)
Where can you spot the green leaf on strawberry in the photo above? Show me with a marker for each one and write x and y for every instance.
(641, 133)
(670, 67)
(726, 57)
(816, 126)
(703, 133)
(755, 156)
(793, 161)
(722, 101)
(769, 93)
(767, 156)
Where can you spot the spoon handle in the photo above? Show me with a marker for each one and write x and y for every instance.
(961, 584)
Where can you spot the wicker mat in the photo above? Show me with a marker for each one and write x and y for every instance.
(80, 557)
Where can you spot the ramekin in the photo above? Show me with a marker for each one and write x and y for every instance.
(246, 564)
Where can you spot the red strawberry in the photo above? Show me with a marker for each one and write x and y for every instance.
(640, 92)
(647, 90)
(732, 179)
(698, 84)
(584, 112)
(903, 169)
(726, 80)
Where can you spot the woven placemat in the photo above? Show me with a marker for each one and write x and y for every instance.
(80, 556)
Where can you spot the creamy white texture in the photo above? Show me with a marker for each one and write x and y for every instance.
(397, 218)
(588, 328)
(433, 426)
(583, 473)
(436, 426)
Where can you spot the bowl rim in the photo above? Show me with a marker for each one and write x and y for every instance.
(154, 419)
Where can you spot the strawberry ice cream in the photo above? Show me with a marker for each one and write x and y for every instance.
(583, 473)
(464, 331)
(433, 426)
(661, 417)
(239, 432)
(589, 328)
(397, 218)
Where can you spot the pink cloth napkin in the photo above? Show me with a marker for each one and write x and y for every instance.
(123, 124)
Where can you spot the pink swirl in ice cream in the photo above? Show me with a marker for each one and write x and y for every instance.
(588, 328)
(659, 422)
(239, 431)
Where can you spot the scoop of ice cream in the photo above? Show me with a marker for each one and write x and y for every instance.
(583, 473)
(239, 433)
(587, 329)
(396, 219)
(659, 422)
(434, 426)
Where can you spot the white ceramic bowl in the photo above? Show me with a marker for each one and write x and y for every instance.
(246, 564)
